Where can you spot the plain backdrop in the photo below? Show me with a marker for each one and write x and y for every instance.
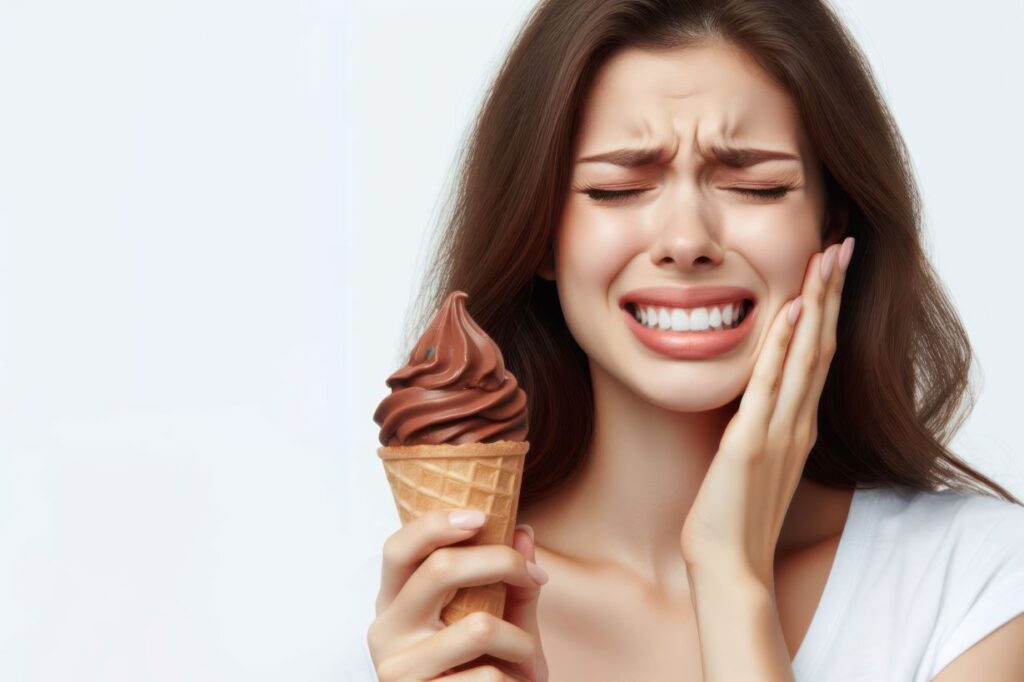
(213, 217)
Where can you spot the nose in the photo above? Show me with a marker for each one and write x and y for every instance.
(685, 239)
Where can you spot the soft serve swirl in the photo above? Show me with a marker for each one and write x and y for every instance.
(454, 389)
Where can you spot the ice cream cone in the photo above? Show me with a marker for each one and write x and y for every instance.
(484, 476)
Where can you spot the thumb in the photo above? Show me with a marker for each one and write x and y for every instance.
(521, 602)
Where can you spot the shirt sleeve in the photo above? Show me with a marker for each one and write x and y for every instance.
(993, 592)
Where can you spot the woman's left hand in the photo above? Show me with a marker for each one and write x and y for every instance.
(737, 515)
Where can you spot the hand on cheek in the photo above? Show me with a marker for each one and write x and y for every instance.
(736, 518)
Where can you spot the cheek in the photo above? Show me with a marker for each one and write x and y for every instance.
(778, 246)
(591, 250)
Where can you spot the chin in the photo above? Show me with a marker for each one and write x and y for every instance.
(675, 398)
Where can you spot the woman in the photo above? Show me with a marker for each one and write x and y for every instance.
(772, 502)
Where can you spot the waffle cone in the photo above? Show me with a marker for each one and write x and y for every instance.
(484, 476)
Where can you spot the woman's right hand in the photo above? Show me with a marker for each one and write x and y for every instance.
(420, 574)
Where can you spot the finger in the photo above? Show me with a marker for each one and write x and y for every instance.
(521, 602)
(406, 548)
(447, 569)
(483, 673)
(478, 634)
(802, 361)
(829, 323)
(758, 401)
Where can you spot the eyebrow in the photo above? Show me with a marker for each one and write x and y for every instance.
(733, 157)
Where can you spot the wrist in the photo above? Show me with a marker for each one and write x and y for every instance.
(729, 581)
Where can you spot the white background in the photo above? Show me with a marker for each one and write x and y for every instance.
(213, 216)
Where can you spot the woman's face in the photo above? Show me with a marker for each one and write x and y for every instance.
(690, 227)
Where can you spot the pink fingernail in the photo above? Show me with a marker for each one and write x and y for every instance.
(827, 262)
(794, 310)
(466, 519)
(538, 574)
(846, 253)
(527, 528)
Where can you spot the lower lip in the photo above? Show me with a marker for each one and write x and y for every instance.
(691, 345)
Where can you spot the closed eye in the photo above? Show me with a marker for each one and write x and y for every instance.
(610, 195)
(607, 195)
(768, 193)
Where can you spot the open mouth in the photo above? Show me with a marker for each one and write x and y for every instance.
(706, 319)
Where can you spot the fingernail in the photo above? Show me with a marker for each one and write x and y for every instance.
(536, 572)
(794, 309)
(527, 528)
(846, 253)
(466, 519)
(827, 262)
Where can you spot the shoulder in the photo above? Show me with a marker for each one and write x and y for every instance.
(988, 536)
(958, 549)
(949, 543)
(970, 550)
(963, 538)
(935, 571)
(981, 522)
(964, 521)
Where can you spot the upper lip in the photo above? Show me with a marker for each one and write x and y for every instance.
(685, 297)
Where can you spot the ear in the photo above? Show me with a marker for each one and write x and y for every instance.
(836, 224)
(547, 268)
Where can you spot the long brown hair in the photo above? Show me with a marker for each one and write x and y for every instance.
(898, 388)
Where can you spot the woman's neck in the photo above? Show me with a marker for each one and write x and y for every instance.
(626, 506)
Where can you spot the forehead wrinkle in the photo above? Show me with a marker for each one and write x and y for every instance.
(727, 128)
(725, 136)
(649, 135)
(722, 136)
(725, 133)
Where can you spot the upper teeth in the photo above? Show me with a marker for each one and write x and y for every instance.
(691, 319)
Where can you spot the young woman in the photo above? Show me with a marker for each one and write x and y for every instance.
(692, 229)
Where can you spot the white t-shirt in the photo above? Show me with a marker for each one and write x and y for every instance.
(918, 578)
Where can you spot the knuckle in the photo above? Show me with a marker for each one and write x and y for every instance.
(441, 563)
(819, 294)
(809, 360)
(514, 561)
(481, 626)
(386, 671)
(371, 636)
(390, 552)
(752, 457)
(768, 381)
(438, 519)
(727, 442)
(837, 285)
(379, 641)
(488, 673)
(828, 349)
